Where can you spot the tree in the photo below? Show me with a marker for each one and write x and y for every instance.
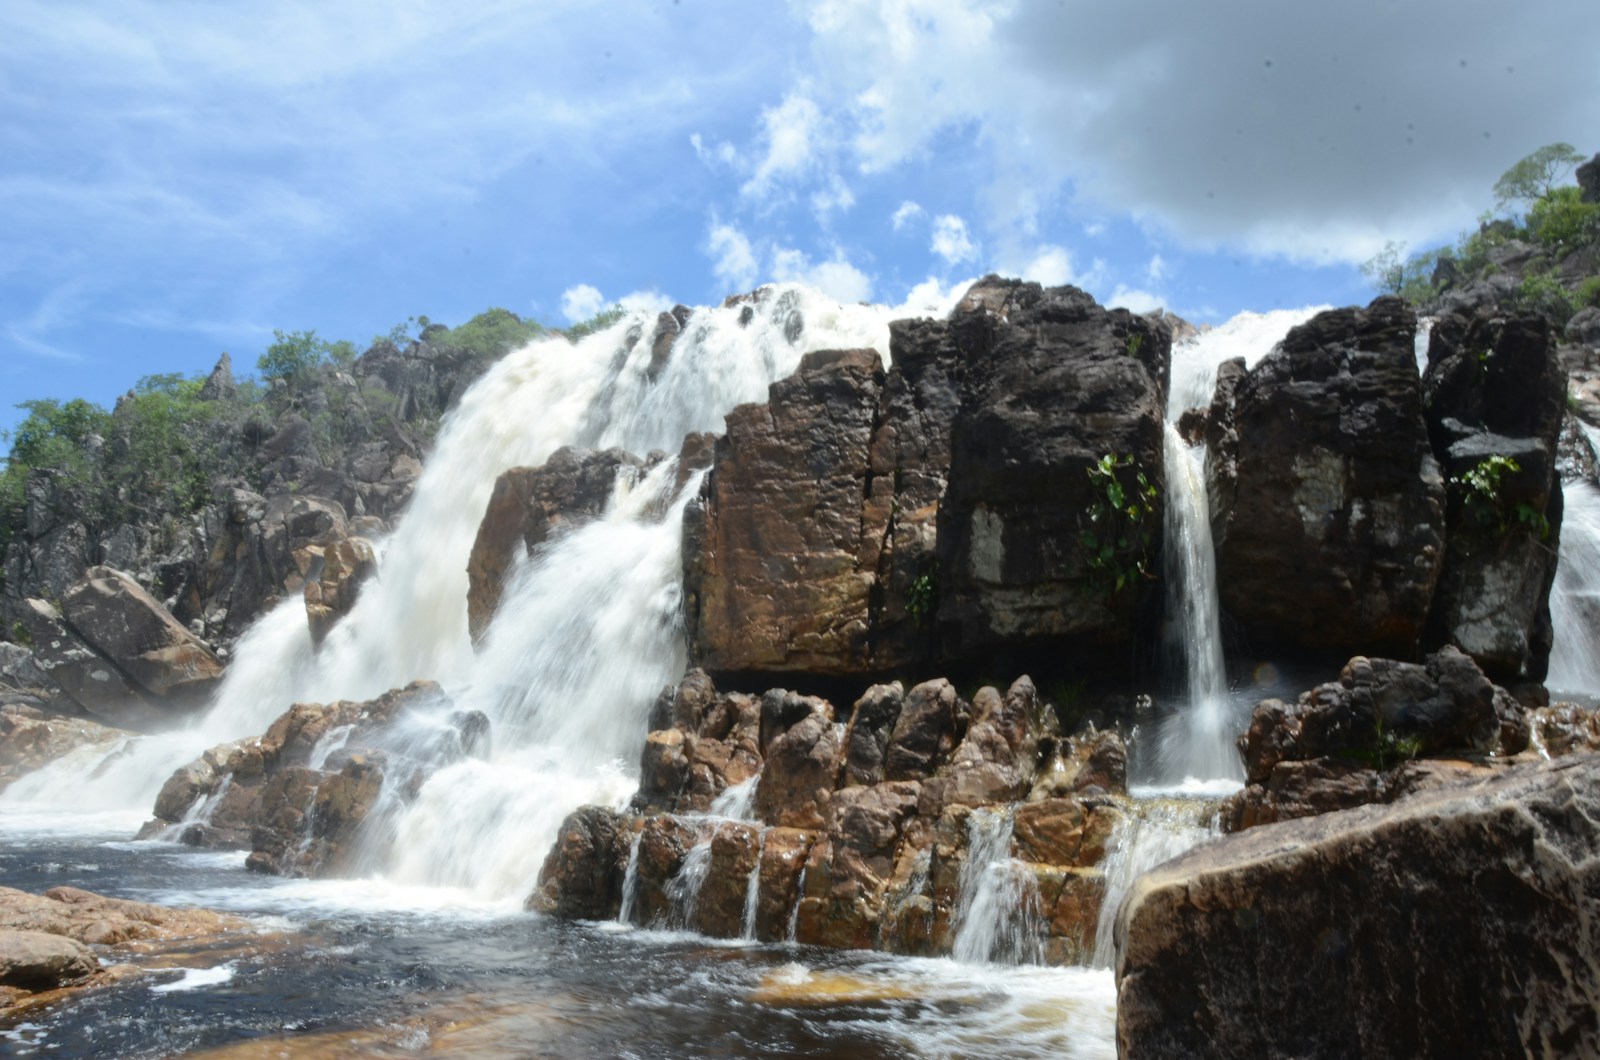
(1537, 175)
(291, 354)
(1386, 268)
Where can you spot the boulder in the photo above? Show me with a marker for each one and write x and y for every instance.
(346, 564)
(131, 629)
(84, 675)
(1335, 534)
(1062, 406)
(1496, 399)
(998, 758)
(1588, 177)
(930, 724)
(36, 961)
(528, 505)
(96, 920)
(801, 769)
(866, 739)
(1457, 922)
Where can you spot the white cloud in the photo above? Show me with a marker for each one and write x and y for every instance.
(1275, 129)
(930, 298)
(649, 301)
(733, 259)
(951, 241)
(789, 136)
(836, 278)
(581, 302)
(908, 212)
(1139, 301)
(1156, 270)
(833, 196)
(1050, 265)
(723, 154)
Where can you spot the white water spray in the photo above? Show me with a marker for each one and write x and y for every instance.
(1575, 597)
(997, 917)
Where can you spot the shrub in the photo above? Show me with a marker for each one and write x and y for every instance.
(1561, 221)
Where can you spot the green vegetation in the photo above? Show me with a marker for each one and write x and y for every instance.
(1388, 749)
(1117, 538)
(923, 600)
(599, 322)
(1554, 221)
(1484, 496)
(157, 455)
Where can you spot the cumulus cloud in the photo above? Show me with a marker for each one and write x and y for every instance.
(581, 302)
(1050, 265)
(1136, 299)
(733, 259)
(951, 241)
(908, 212)
(1313, 133)
(789, 142)
(836, 277)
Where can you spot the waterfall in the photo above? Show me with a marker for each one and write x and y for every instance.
(684, 889)
(588, 630)
(630, 881)
(1575, 597)
(1195, 744)
(997, 916)
(1155, 830)
(752, 890)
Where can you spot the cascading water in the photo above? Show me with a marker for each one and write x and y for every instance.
(1196, 743)
(997, 917)
(1575, 597)
(587, 632)
(1157, 830)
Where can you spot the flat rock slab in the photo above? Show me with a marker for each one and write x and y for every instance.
(97, 920)
(1463, 921)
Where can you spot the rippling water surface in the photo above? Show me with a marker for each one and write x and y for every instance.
(423, 972)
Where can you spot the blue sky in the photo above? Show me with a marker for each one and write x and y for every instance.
(180, 178)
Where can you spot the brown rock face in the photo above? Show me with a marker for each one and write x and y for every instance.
(99, 921)
(801, 769)
(776, 575)
(582, 876)
(346, 565)
(36, 960)
(527, 506)
(1345, 935)
(1051, 384)
(1496, 396)
(1335, 535)
(928, 727)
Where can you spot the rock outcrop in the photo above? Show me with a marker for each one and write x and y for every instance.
(50, 943)
(1035, 551)
(1496, 398)
(31, 739)
(1456, 922)
(1334, 536)
(858, 832)
(527, 506)
(346, 564)
(1352, 741)
(962, 502)
(299, 795)
(118, 654)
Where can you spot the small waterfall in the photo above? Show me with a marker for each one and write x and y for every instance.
(630, 881)
(794, 913)
(1196, 742)
(1575, 597)
(752, 891)
(1205, 750)
(684, 889)
(1156, 830)
(736, 803)
(997, 916)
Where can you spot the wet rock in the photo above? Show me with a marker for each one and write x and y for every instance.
(845, 902)
(664, 843)
(1564, 728)
(300, 795)
(95, 920)
(1335, 534)
(1051, 384)
(83, 675)
(1089, 763)
(582, 875)
(31, 739)
(1063, 832)
(130, 628)
(528, 505)
(784, 853)
(1496, 398)
(1343, 934)
(735, 857)
(998, 757)
(346, 565)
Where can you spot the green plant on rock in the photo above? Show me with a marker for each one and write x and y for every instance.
(1389, 749)
(1485, 501)
(1120, 521)
(923, 599)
